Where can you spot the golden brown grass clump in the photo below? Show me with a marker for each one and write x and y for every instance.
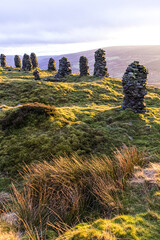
(8, 236)
(68, 189)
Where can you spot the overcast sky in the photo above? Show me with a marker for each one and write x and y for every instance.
(64, 26)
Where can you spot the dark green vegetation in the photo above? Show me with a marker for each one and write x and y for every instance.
(81, 115)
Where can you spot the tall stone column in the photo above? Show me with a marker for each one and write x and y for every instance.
(3, 61)
(134, 87)
(17, 61)
(34, 60)
(100, 68)
(83, 65)
(27, 63)
(52, 65)
(64, 68)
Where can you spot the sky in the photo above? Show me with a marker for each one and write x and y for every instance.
(53, 27)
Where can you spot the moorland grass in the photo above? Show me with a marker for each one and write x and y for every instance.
(68, 190)
(140, 217)
(88, 120)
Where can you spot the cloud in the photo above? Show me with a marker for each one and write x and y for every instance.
(73, 21)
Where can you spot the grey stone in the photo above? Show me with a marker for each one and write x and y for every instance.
(52, 65)
(130, 138)
(83, 65)
(3, 61)
(100, 68)
(10, 218)
(27, 63)
(17, 61)
(64, 68)
(36, 75)
(134, 87)
(34, 60)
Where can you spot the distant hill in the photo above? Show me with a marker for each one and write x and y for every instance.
(118, 59)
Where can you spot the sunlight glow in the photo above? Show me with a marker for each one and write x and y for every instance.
(142, 35)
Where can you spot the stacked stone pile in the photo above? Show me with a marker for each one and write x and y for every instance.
(34, 60)
(27, 63)
(64, 68)
(36, 75)
(24, 61)
(3, 61)
(83, 65)
(52, 65)
(100, 68)
(134, 87)
(17, 61)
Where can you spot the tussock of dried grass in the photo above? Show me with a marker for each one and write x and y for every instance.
(66, 189)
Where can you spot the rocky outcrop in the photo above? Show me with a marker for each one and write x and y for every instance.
(134, 87)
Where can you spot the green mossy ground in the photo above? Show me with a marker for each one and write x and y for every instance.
(88, 120)
(139, 220)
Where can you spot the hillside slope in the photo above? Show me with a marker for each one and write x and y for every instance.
(88, 118)
(81, 116)
(118, 58)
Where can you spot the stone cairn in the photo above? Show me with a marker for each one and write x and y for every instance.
(17, 61)
(134, 87)
(34, 60)
(64, 68)
(27, 63)
(24, 61)
(83, 65)
(100, 68)
(3, 61)
(36, 75)
(52, 65)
